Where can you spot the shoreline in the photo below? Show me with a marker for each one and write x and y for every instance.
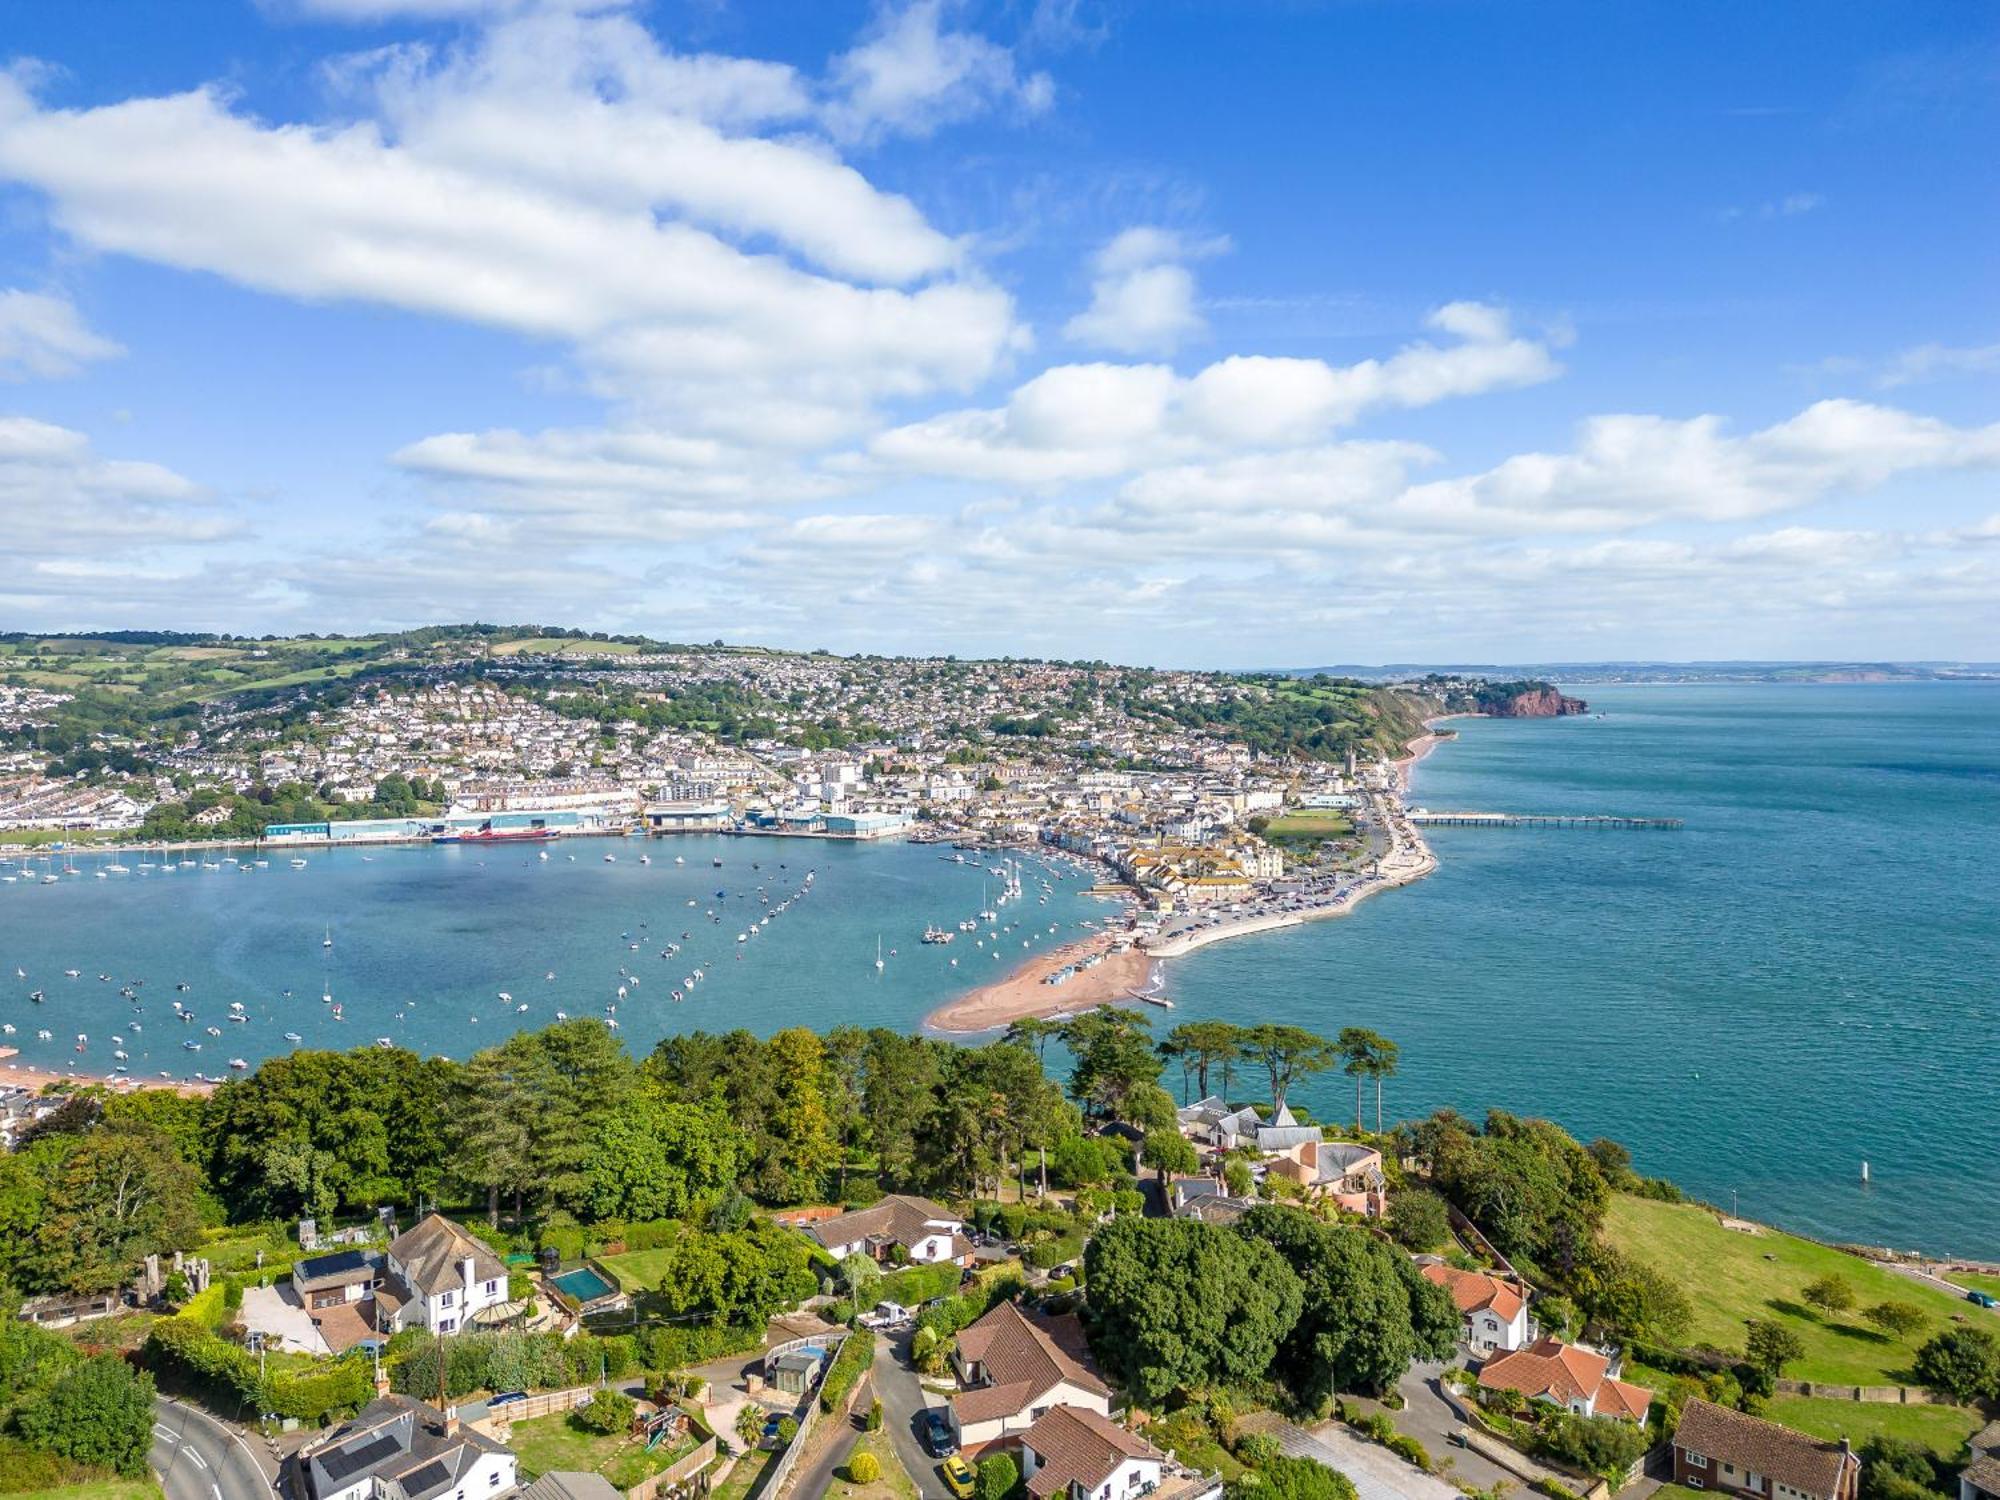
(28, 1076)
(1022, 995)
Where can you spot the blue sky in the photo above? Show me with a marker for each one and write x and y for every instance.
(1181, 332)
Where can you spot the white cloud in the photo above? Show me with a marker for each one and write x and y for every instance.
(1116, 418)
(478, 213)
(1142, 296)
(42, 337)
(913, 75)
(1928, 362)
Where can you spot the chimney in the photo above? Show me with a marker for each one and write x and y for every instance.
(465, 1279)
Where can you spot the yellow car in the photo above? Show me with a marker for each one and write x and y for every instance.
(957, 1477)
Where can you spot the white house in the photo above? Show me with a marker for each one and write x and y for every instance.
(397, 1448)
(1072, 1453)
(439, 1278)
(925, 1232)
(1012, 1369)
(1495, 1311)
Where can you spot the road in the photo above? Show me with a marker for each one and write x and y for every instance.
(199, 1458)
(903, 1402)
(1377, 1473)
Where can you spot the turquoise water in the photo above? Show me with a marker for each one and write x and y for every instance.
(425, 939)
(1806, 977)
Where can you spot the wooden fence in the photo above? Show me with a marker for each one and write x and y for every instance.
(681, 1471)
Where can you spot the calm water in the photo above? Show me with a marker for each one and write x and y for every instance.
(426, 938)
(1806, 976)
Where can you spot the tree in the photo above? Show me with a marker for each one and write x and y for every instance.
(1236, 1176)
(1831, 1293)
(858, 1272)
(100, 1413)
(1768, 1347)
(1366, 1312)
(1177, 1304)
(1900, 1319)
(1168, 1153)
(1113, 1058)
(119, 1195)
(1961, 1364)
(607, 1411)
(1419, 1219)
(1287, 1054)
(1200, 1046)
(750, 1425)
(1366, 1054)
(998, 1474)
(655, 1158)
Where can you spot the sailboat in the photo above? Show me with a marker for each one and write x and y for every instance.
(878, 952)
(327, 941)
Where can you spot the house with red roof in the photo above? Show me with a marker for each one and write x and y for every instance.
(1576, 1379)
(1073, 1453)
(1014, 1368)
(1495, 1310)
(1719, 1448)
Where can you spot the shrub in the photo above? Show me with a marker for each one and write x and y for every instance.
(99, 1413)
(917, 1285)
(1604, 1446)
(998, 1475)
(848, 1366)
(862, 1466)
(315, 1394)
(607, 1411)
(1418, 1220)
(875, 1415)
(27, 1468)
(788, 1428)
(1962, 1364)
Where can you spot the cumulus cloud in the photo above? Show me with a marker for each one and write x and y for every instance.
(543, 181)
(1142, 295)
(42, 337)
(1114, 418)
(913, 74)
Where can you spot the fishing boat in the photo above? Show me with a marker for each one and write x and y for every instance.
(327, 941)
(878, 953)
(293, 1036)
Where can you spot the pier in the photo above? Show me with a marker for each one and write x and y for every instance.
(1536, 820)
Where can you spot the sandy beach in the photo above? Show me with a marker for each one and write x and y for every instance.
(1022, 993)
(21, 1075)
(1416, 749)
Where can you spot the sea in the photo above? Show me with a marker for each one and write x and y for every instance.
(1802, 979)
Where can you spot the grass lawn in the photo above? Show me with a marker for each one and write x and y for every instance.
(637, 1270)
(745, 1476)
(1310, 826)
(554, 1442)
(98, 1489)
(1730, 1277)
(36, 838)
(1942, 1429)
(894, 1483)
(1976, 1281)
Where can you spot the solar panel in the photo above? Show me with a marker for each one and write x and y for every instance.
(331, 1265)
(422, 1481)
(343, 1462)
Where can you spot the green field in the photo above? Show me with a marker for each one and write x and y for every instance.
(1976, 1281)
(1309, 827)
(545, 645)
(637, 1270)
(1730, 1277)
(1942, 1429)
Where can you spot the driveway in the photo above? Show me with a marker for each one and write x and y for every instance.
(1377, 1473)
(275, 1312)
(199, 1458)
(903, 1404)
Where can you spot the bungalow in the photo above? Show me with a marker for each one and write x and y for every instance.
(924, 1231)
(1980, 1478)
(1012, 1369)
(397, 1448)
(1716, 1448)
(1495, 1311)
(327, 1281)
(1072, 1453)
(1564, 1375)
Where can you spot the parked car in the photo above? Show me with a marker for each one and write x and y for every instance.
(937, 1433)
(886, 1315)
(506, 1398)
(957, 1477)
(1982, 1299)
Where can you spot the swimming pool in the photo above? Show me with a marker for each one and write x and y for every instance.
(583, 1285)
